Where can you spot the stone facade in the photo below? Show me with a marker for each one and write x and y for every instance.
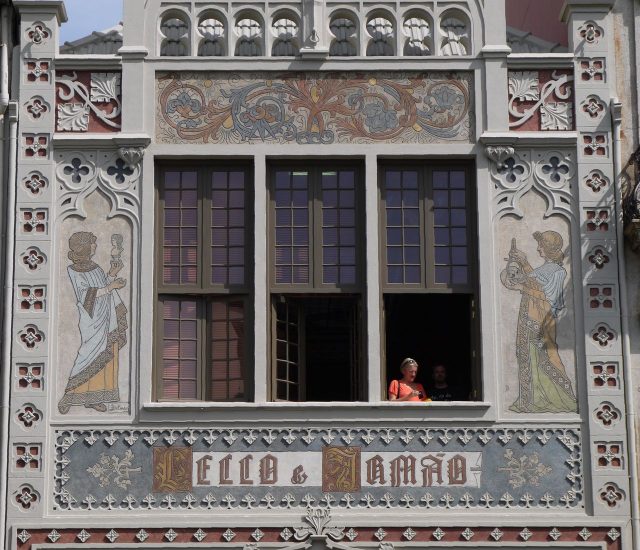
(101, 452)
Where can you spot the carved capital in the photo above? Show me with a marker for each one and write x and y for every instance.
(499, 153)
(131, 155)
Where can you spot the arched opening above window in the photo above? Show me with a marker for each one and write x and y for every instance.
(344, 29)
(213, 36)
(417, 28)
(455, 30)
(381, 31)
(249, 30)
(286, 30)
(174, 28)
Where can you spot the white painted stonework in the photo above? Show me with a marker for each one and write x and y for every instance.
(542, 451)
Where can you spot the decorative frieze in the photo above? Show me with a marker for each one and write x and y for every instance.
(314, 108)
(202, 469)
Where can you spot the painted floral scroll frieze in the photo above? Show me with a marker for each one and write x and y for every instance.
(314, 108)
(541, 100)
(88, 101)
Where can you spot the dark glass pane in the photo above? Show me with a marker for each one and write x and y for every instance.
(410, 179)
(236, 180)
(460, 275)
(300, 236)
(283, 255)
(411, 216)
(219, 199)
(330, 199)
(443, 275)
(347, 199)
(299, 198)
(282, 180)
(281, 391)
(172, 180)
(172, 236)
(236, 237)
(300, 255)
(412, 274)
(394, 216)
(219, 217)
(347, 217)
(330, 256)
(392, 179)
(394, 198)
(329, 180)
(394, 236)
(283, 236)
(410, 198)
(299, 180)
(329, 217)
(347, 275)
(441, 235)
(412, 235)
(348, 237)
(394, 255)
(459, 255)
(457, 180)
(236, 199)
(395, 274)
(441, 198)
(189, 180)
(301, 217)
(189, 235)
(458, 198)
(330, 274)
(219, 180)
(347, 179)
(440, 216)
(300, 275)
(171, 216)
(458, 217)
(347, 255)
(283, 197)
(329, 236)
(459, 236)
(412, 255)
(440, 179)
(283, 217)
(442, 256)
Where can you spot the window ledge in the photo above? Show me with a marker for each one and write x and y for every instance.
(213, 405)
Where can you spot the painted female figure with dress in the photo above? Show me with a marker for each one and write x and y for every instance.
(544, 386)
(93, 380)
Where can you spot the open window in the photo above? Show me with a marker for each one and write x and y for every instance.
(317, 348)
(428, 252)
(316, 282)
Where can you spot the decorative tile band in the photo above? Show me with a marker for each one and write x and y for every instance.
(203, 469)
(314, 108)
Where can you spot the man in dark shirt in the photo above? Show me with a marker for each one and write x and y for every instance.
(440, 389)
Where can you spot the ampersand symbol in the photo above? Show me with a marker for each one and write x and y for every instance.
(299, 477)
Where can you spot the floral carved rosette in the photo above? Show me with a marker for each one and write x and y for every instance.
(314, 108)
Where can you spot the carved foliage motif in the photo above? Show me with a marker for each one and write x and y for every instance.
(516, 173)
(38, 33)
(88, 101)
(540, 100)
(314, 108)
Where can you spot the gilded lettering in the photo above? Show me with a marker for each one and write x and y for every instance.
(225, 466)
(431, 470)
(245, 472)
(375, 470)
(268, 470)
(202, 467)
(457, 469)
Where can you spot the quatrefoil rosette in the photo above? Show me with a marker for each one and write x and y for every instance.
(75, 170)
(115, 173)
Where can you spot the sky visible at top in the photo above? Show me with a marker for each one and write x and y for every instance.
(86, 16)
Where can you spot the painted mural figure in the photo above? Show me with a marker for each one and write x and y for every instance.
(93, 381)
(543, 382)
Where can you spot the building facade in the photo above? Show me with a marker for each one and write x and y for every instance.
(232, 223)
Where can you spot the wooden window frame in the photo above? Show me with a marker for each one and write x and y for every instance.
(315, 284)
(205, 291)
(425, 171)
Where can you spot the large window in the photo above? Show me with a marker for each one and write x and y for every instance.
(428, 270)
(316, 279)
(204, 284)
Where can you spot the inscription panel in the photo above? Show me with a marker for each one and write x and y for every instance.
(287, 468)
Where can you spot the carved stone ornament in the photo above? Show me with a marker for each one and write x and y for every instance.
(551, 173)
(499, 153)
(132, 156)
(318, 520)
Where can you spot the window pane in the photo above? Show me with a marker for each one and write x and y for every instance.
(292, 227)
(226, 333)
(402, 202)
(338, 222)
(179, 349)
(179, 195)
(227, 221)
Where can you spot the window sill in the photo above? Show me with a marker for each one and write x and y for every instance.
(335, 413)
(214, 405)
